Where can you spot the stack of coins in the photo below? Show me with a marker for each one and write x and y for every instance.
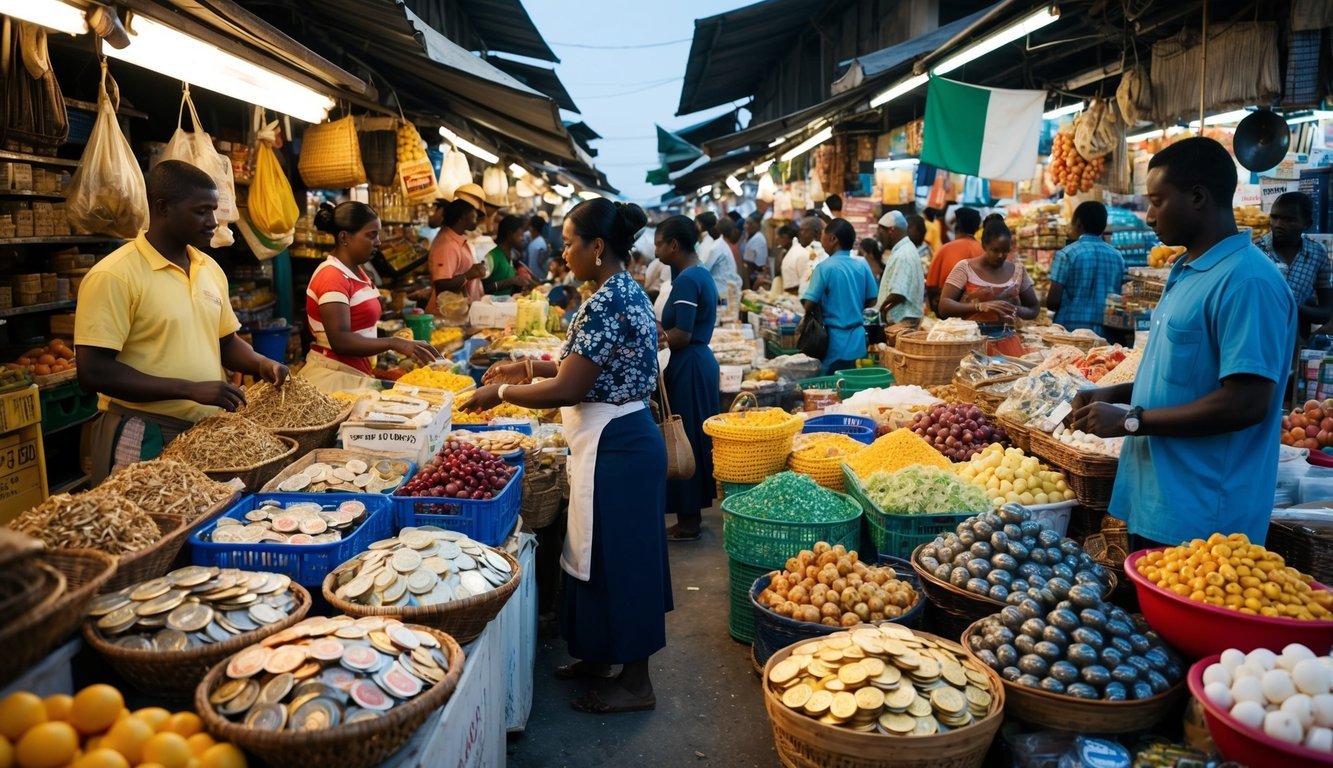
(324, 672)
(351, 476)
(884, 679)
(300, 523)
(193, 606)
(421, 566)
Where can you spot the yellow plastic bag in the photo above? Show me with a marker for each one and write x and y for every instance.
(272, 205)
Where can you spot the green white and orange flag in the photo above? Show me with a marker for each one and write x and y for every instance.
(990, 133)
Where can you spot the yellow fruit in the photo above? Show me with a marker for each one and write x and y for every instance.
(169, 749)
(95, 708)
(157, 717)
(57, 706)
(102, 758)
(199, 743)
(185, 723)
(221, 756)
(128, 738)
(48, 745)
(19, 712)
(6, 753)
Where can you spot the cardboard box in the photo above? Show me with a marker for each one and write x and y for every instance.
(22, 471)
(418, 439)
(20, 409)
(518, 622)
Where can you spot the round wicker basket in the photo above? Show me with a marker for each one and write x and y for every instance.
(29, 637)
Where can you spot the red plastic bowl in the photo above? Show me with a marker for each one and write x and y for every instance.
(1199, 629)
(1243, 744)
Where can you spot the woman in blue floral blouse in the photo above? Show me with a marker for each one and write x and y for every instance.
(617, 586)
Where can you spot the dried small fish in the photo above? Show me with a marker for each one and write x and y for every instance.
(163, 486)
(224, 441)
(294, 405)
(94, 519)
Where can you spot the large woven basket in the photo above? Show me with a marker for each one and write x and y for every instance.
(803, 742)
(464, 619)
(1067, 713)
(921, 370)
(825, 471)
(744, 454)
(175, 674)
(319, 436)
(541, 501)
(358, 745)
(1019, 435)
(26, 639)
(981, 394)
(331, 155)
(154, 560)
(918, 343)
(255, 475)
(1090, 476)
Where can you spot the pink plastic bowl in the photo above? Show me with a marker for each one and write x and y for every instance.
(1199, 629)
(1246, 745)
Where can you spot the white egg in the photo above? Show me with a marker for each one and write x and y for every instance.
(1232, 658)
(1247, 670)
(1300, 707)
(1312, 677)
(1283, 727)
(1216, 673)
(1249, 713)
(1319, 739)
(1219, 694)
(1262, 658)
(1079, 434)
(1323, 710)
(1294, 654)
(1248, 689)
(1277, 685)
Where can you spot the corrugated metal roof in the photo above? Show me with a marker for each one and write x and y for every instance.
(717, 169)
(886, 59)
(763, 133)
(711, 128)
(502, 25)
(543, 79)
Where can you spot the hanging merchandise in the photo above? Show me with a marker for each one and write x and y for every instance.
(331, 156)
(1134, 95)
(1069, 169)
(976, 192)
(196, 148)
(523, 189)
(767, 188)
(33, 108)
(815, 189)
(939, 192)
(495, 183)
(107, 194)
(415, 173)
(782, 207)
(1097, 129)
(271, 210)
(1177, 62)
(454, 173)
(378, 138)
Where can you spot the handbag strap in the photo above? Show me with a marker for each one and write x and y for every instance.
(666, 401)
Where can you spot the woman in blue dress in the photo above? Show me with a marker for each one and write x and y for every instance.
(617, 588)
(692, 375)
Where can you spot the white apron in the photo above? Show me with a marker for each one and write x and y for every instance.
(583, 425)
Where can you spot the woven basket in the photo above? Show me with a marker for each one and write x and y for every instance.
(921, 370)
(750, 454)
(803, 742)
(319, 436)
(26, 639)
(255, 475)
(359, 745)
(825, 471)
(464, 619)
(1090, 476)
(1019, 435)
(981, 393)
(154, 560)
(1306, 546)
(918, 343)
(331, 156)
(175, 674)
(540, 505)
(1067, 713)
(327, 456)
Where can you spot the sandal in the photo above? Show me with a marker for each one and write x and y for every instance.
(674, 533)
(593, 703)
(580, 671)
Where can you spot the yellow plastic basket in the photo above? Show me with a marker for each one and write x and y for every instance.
(825, 470)
(750, 444)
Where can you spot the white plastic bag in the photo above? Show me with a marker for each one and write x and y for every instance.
(454, 173)
(107, 195)
(196, 148)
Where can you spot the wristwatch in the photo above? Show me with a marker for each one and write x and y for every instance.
(1134, 420)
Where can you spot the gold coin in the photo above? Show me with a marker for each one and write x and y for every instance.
(954, 674)
(843, 706)
(978, 698)
(870, 699)
(819, 703)
(948, 700)
(406, 560)
(190, 617)
(977, 677)
(108, 603)
(795, 698)
(853, 652)
(927, 671)
(895, 632)
(163, 603)
(818, 668)
(150, 589)
(895, 648)
(226, 692)
(783, 671)
(900, 699)
(118, 620)
(830, 655)
(900, 725)
(890, 677)
(873, 666)
(908, 660)
(919, 707)
(925, 726)
(852, 675)
(395, 591)
(809, 649)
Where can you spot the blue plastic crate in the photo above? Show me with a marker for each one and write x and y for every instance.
(307, 564)
(488, 521)
(859, 434)
(841, 420)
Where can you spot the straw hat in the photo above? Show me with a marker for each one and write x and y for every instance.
(473, 193)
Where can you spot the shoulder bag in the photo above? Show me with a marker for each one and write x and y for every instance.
(680, 456)
(811, 335)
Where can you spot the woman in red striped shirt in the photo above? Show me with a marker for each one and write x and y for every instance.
(343, 305)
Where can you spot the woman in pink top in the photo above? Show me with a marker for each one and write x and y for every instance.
(990, 289)
(452, 267)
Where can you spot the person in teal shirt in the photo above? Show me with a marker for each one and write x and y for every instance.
(1200, 455)
(843, 287)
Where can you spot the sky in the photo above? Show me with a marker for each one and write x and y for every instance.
(622, 85)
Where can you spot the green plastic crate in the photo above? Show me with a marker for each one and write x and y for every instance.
(775, 351)
(773, 542)
(898, 535)
(741, 576)
(819, 382)
(66, 405)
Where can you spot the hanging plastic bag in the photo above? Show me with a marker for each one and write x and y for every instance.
(815, 190)
(767, 188)
(272, 204)
(454, 173)
(416, 175)
(196, 148)
(495, 183)
(1097, 130)
(107, 195)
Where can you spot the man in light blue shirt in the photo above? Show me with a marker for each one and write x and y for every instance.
(902, 287)
(755, 249)
(843, 288)
(539, 253)
(1200, 455)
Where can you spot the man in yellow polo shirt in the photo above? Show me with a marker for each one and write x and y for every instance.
(154, 329)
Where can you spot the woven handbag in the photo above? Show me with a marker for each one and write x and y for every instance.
(680, 456)
(331, 156)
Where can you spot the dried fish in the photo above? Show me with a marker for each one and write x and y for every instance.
(163, 486)
(294, 405)
(94, 519)
(224, 441)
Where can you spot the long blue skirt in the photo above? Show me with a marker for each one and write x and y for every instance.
(618, 616)
(692, 385)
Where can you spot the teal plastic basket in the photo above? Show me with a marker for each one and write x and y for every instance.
(741, 577)
(772, 542)
(898, 535)
(860, 379)
(731, 489)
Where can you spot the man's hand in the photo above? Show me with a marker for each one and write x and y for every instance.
(1101, 419)
(273, 372)
(476, 271)
(218, 393)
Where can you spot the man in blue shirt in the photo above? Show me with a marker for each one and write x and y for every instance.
(538, 252)
(1200, 455)
(843, 287)
(1085, 272)
(1301, 260)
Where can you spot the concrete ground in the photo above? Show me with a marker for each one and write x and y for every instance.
(710, 710)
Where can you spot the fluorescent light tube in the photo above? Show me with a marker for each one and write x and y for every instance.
(1068, 109)
(763, 167)
(808, 144)
(734, 184)
(517, 171)
(1019, 29)
(463, 145)
(906, 86)
(51, 14)
(885, 165)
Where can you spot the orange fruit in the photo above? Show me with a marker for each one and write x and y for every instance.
(222, 756)
(199, 743)
(155, 716)
(128, 737)
(48, 745)
(6, 753)
(149, 765)
(186, 724)
(57, 706)
(102, 758)
(169, 749)
(19, 712)
(95, 708)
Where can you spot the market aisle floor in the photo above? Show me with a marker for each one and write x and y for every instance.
(709, 708)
